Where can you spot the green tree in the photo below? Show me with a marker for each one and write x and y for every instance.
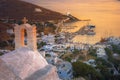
(116, 49)
(41, 44)
(104, 71)
(76, 51)
(1, 53)
(84, 70)
(92, 52)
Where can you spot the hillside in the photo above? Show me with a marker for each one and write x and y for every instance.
(3, 31)
(16, 9)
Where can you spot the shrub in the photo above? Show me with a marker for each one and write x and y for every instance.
(84, 70)
(1, 53)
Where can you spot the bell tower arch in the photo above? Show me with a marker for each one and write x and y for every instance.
(31, 35)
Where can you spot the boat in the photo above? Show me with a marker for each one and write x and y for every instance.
(87, 30)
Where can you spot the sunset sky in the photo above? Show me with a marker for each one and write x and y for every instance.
(75, 6)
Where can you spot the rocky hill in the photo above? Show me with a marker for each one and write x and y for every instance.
(17, 9)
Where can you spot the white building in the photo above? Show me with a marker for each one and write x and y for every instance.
(47, 47)
(78, 46)
(99, 46)
(91, 62)
(101, 52)
(65, 70)
(49, 39)
(52, 58)
(114, 40)
(59, 48)
(10, 31)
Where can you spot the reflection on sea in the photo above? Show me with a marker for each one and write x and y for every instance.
(91, 39)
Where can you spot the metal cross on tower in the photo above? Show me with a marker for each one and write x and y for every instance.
(24, 20)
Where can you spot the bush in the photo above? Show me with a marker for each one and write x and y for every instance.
(105, 72)
(92, 52)
(41, 44)
(100, 61)
(81, 57)
(84, 70)
(3, 44)
(48, 55)
(116, 49)
(68, 59)
(1, 53)
(76, 51)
